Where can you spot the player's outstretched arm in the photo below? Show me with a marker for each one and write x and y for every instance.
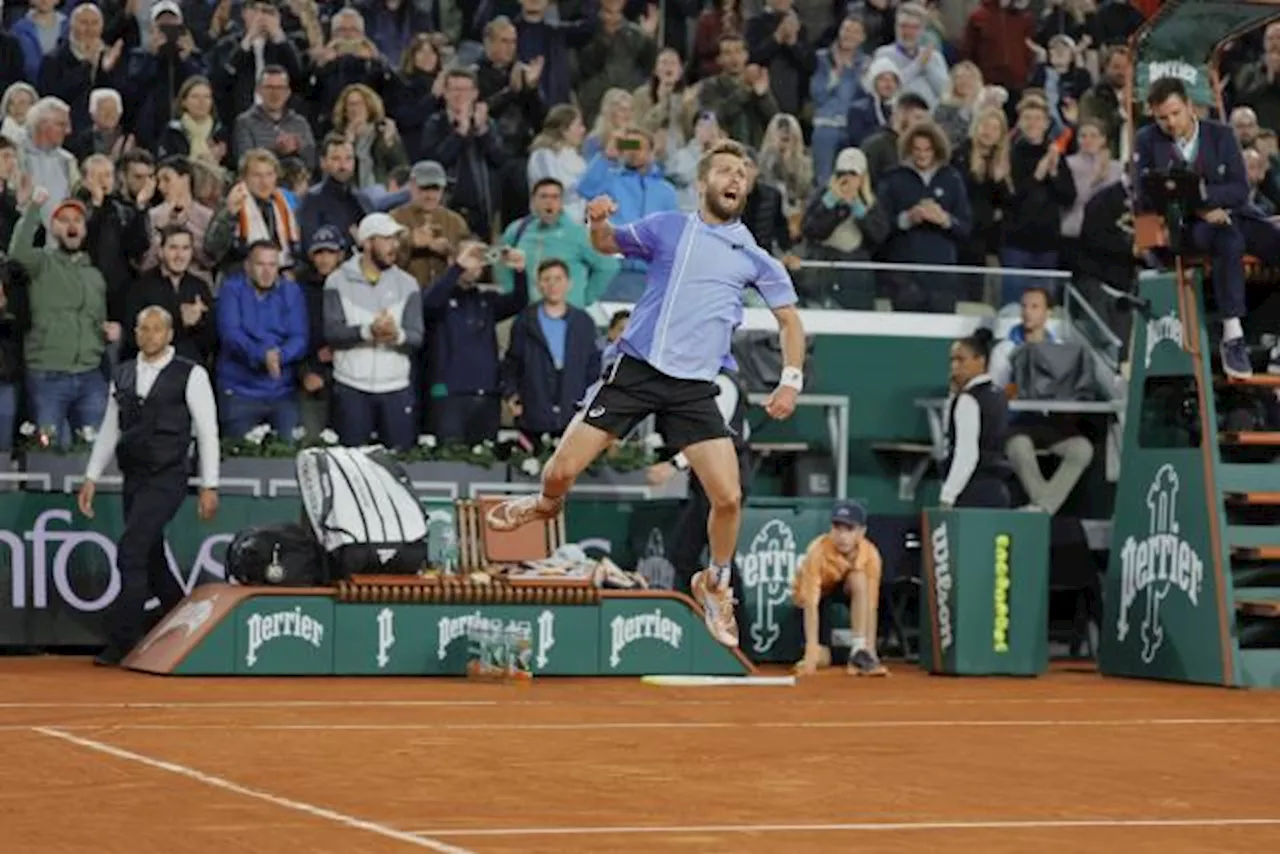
(603, 240)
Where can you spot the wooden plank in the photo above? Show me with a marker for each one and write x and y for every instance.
(1255, 381)
(1257, 552)
(1251, 438)
(1258, 608)
(1256, 499)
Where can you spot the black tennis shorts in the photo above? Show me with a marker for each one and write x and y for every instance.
(685, 410)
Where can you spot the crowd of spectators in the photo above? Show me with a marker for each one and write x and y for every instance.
(225, 158)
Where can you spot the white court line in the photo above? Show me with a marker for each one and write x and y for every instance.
(1046, 824)
(672, 701)
(665, 725)
(417, 840)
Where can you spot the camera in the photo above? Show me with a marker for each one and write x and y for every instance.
(629, 143)
(172, 32)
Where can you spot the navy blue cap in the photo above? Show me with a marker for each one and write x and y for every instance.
(849, 513)
(327, 237)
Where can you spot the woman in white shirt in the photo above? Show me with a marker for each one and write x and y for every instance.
(556, 153)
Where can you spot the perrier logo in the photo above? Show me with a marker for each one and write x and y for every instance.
(264, 628)
(1167, 328)
(768, 568)
(1155, 566)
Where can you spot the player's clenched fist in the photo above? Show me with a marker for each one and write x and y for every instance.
(600, 209)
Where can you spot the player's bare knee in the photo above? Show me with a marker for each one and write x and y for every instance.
(726, 499)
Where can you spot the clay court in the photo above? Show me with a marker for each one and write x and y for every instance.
(110, 761)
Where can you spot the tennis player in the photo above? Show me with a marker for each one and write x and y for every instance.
(674, 346)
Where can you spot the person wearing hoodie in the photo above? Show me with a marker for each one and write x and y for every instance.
(39, 34)
(626, 173)
(262, 329)
(69, 329)
(872, 109)
(325, 254)
(548, 233)
(373, 323)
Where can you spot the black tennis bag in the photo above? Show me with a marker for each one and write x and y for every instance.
(364, 512)
(285, 555)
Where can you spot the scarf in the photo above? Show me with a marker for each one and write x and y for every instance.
(199, 132)
(366, 166)
(251, 227)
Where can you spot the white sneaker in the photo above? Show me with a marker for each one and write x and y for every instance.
(518, 512)
(717, 607)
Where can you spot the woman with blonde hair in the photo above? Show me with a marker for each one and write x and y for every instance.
(842, 222)
(360, 116)
(955, 114)
(785, 163)
(17, 99)
(617, 109)
(983, 159)
(554, 153)
(196, 133)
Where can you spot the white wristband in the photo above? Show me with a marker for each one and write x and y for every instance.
(793, 378)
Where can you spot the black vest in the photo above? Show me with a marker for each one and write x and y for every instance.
(155, 431)
(993, 429)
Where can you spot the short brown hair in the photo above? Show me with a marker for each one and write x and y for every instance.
(551, 263)
(724, 146)
(1165, 88)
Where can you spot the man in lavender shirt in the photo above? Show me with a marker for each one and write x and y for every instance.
(678, 338)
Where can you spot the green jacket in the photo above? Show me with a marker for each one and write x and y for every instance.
(68, 303)
(589, 271)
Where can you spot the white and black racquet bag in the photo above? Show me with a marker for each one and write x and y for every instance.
(363, 510)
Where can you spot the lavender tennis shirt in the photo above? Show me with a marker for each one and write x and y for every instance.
(683, 323)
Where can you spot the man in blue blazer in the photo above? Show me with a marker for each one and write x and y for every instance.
(1229, 226)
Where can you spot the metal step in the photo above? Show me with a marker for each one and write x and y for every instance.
(1247, 477)
(1253, 536)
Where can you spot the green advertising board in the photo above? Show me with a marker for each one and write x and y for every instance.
(772, 541)
(986, 593)
(227, 629)
(1161, 615)
(284, 636)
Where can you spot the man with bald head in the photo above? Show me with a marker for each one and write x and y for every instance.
(157, 401)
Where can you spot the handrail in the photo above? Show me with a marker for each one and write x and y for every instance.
(934, 268)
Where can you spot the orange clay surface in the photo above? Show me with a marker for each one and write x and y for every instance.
(108, 761)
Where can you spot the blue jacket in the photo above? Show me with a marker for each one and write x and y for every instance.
(250, 324)
(901, 189)
(637, 194)
(549, 396)
(24, 30)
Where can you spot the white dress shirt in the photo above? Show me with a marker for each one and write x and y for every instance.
(204, 417)
(965, 450)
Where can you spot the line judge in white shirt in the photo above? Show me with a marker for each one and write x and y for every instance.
(157, 400)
